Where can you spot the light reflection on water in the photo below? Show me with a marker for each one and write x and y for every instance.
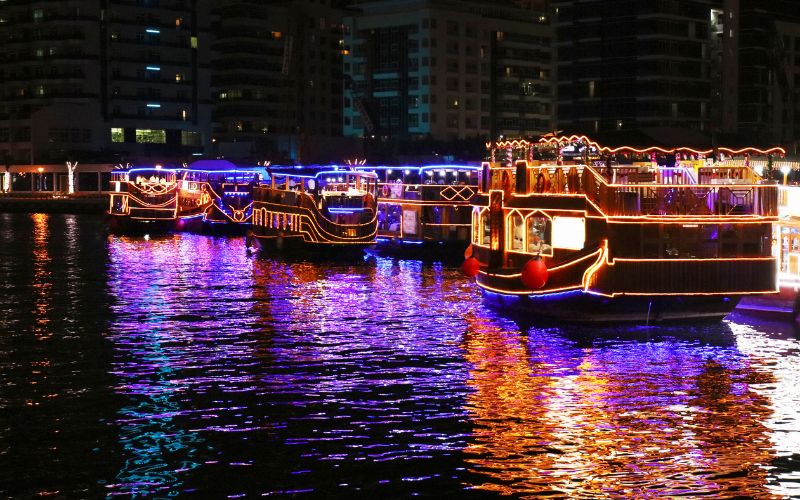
(185, 364)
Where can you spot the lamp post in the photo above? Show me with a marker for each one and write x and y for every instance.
(785, 171)
(39, 179)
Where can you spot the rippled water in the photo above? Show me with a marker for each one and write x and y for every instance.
(185, 364)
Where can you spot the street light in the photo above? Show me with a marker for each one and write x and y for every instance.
(40, 169)
(785, 171)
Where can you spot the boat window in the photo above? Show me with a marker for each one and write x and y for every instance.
(537, 234)
(487, 228)
(476, 227)
(517, 233)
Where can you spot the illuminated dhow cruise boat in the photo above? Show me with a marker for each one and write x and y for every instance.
(145, 198)
(604, 243)
(191, 197)
(230, 190)
(323, 208)
(426, 209)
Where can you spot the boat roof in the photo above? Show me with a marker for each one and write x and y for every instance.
(664, 140)
(209, 165)
(150, 169)
(420, 169)
(317, 171)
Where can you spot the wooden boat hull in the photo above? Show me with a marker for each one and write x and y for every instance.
(293, 244)
(450, 251)
(588, 290)
(125, 225)
(782, 306)
(577, 306)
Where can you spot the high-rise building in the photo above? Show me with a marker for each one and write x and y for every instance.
(447, 70)
(761, 70)
(277, 78)
(626, 64)
(111, 80)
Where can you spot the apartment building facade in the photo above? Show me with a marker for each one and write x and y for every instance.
(631, 64)
(277, 78)
(446, 70)
(109, 80)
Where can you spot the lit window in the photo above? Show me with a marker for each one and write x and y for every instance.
(191, 138)
(178, 77)
(194, 42)
(486, 223)
(517, 234)
(569, 232)
(157, 136)
(117, 134)
(538, 238)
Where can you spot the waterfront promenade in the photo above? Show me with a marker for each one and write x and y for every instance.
(87, 203)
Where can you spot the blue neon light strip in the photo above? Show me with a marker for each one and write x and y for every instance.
(345, 210)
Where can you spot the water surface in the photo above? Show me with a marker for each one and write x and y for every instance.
(184, 364)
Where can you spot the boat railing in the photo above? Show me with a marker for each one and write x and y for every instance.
(343, 201)
(735, 174)
(629, 191)
(444, 193)
(789, 201)
(364, 228)
(150, 197)
(653, 199)
(318, 206)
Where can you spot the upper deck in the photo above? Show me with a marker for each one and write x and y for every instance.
(427, 185)
(334, 190)
(639, 190)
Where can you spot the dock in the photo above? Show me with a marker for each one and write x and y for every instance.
(94, 203)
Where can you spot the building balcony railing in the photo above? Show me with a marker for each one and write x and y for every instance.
(151, 3)
(151, 81)
(148, 99)
(159, 42)
(146, 117)
(26, 58)
(50, 77)
(148, 59)
(48, 37)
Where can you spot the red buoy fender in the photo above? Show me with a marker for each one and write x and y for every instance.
(534, 274)
(470, 267)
